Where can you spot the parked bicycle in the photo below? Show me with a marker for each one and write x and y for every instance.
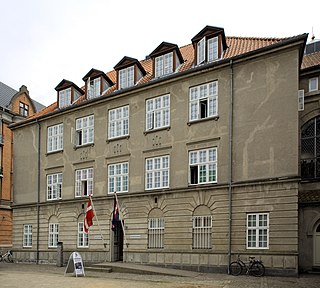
(7, 257)
(253, 267)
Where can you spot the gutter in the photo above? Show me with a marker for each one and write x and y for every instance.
(38, 196)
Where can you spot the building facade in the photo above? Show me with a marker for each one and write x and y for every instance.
(14, 106)
(191, 138)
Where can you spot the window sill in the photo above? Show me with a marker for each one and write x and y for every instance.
(83, 146)
(215, 118)
(156, 130)
(118, 138)
(54, 152)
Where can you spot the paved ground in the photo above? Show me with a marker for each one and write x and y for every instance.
(40, 276)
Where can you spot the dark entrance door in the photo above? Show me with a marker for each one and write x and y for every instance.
(118, 242)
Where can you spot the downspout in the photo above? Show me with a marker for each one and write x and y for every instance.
(38, 198)
(230, 162)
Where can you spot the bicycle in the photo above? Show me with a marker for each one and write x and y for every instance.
(253, 267)
(7, 257)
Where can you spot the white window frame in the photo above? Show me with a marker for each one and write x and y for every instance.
(55, 138)
(257, 229)
(53, 238)
(84, 182)
(213, 49)
(201, 232)
(54, 186)
(93, 87)
(157, 172)
(118, 177)
(126, 77)
(118, 122)
(203, 101)
(83, 238)
(158, 112)
(203, 166)
(85, 130)
(65, 98)
(155, 233)
(201, 51)
(164, 64)
(27, 236)
(313, 84)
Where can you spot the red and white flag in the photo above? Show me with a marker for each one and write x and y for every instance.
(88, 217)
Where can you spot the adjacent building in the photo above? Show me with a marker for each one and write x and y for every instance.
(200, 142)
(14, 106)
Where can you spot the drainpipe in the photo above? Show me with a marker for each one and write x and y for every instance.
(230, 161)
(38, 198)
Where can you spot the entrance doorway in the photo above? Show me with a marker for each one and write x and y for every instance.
(316, 246)
(118, 242)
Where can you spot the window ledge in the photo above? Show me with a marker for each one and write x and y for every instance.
(215, 118)
(156, 130)
(118, 138)
(54, 152)
(75, 147)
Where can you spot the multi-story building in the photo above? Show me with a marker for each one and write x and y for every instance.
(14, 106)
(200, 142)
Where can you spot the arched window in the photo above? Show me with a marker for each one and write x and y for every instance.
(310, 149)
(201, 228)
(156, 229)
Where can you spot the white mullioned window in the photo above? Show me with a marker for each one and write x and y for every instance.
(201, 51)
(84, 182)
(27, 235)
(203, 166)
(155, 233)
(313, 84)
(126, 77)
(118, 177)
(53, 235)
(203, 101)
(211, 45)
(157, 172)
(93, 88)
(85, 130)
(258, 231)
(213, 52)
(158, 112)
(54, 186)
(118, 122)
(55, 138)
(65, 98)
(83, 239)
(164, 64)
(201, 232)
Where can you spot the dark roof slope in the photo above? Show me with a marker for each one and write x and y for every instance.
(6, 93)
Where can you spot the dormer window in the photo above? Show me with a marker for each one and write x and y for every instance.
(23, 109)
(209, 45)
(68, 93)
(94, 88)
(129, 72)
(166, 58)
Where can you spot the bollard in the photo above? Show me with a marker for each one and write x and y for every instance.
(60, 254)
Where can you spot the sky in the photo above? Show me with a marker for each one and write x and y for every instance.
(45, 41)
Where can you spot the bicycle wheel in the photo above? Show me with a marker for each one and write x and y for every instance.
(235, 268)
(257, 269)
(8, 258)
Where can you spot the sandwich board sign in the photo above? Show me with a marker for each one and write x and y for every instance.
(75, 265)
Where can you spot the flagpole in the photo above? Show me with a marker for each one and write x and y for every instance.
(95, 215)
(121, 216)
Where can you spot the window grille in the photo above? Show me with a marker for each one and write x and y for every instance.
(155, 233)
(27, 235)
(53, 235)
(201, 232)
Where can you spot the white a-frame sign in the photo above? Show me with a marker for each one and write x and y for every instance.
(75, 265)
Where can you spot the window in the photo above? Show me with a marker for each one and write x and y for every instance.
(64, 98)
(203, 166)
(164, 64)
(53, 235)
(155, 232)
(85, 130)
(83, 239)
(94, 88)
(84, 182)
(201, 232)
(23, 109)
(207, 46)
(258, 231)
(54, 186)
(158, 112)
(126, 77)
(118, 177)
(27, 235)
(313, 84)
(157, 172)
(119, 122)
(203, 101)
(310, 149)
(55, 138)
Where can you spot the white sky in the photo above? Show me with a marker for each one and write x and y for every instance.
(45, 41)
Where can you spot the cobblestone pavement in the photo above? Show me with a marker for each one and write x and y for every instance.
(41, 276)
